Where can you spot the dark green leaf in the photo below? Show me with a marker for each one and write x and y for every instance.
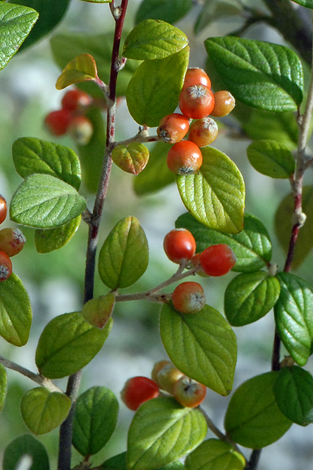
(260, 74)
(213, 454)
(163, 10)
(55, 238)
(271, 158)
(22, 446)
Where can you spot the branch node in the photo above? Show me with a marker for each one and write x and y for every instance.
(119, 64)
(299, 219)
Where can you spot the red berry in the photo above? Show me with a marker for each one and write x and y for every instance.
(137, 390)
(173, 128)
(184, 158)
(74, 99)
(188, 297)
(188, 392)
(3, 209)
(179, 245)
(196, 101)
(196, 76)
(58, 121)
(203, 132)
(217, 260)
(224, 103)
(12, 241)
(5, 266)
(168, 376)
(81, 129)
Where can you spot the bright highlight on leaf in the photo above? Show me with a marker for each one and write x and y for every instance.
(81, 69)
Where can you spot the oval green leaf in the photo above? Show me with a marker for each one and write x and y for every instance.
(16, 23)
(15, 311)
(32, 155)
(271, 158)
(252, 246)
(43, 410)
(260, 74)
(215, 195)
(22, 446)
(253, 418)
(43, 201)
(163, 10)
(154, 39)
(124, 256)
(213, 454)
(98, 311)
(95, 420)
(153, 92)
(67, 344)
(202, 345)
(80, 69)
(294, 316)
(161, 432)
(249, 297)
(132, 159)
(55, 238)
(293, 391)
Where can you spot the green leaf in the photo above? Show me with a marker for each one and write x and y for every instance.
(163, 10)
(271, 158)
(294, 316)
(305, 3)
(43, 410)
(67, 344)
(156, 175)
(161, 432)
(284, 222)
(153, 92)
(3, 386)
(118, 462)
(15, 311)
(293, 391)
(43, 201)
(15, 23)
(252, 246)
(154, 39)
(50, 14)
(215, 455)
(253, 418)
(260, 74)
(212, 11)
(98, 311)
(95, 420)
(215, 195)
(202, 346)
(80, 69)
(124, 256)
(32, 155)
(55, 238)
(22, 446)
(249, 297)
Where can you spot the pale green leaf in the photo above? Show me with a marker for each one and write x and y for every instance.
(213, 454)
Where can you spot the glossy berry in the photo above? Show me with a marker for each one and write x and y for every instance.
(12, 241)
(173, 128)
(196, 101)
(3, 209)
(74, 99)
(179, 245)
(217, 260)
(203, 131)
(157, 367)
(57, 122)
(188, 297)
(5, 266)
(188, 392)
(137, 390)
(184, 158)
(81, 129)
(196, 76)
(167, 377)
(224, 103)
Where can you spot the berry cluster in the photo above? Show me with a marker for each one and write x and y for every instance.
(196, 102)
(71, 119)
(12, 242)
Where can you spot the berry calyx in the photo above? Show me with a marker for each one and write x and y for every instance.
(196, 76)
(196, 101)
(57, 122)
(173, 128)
(3, 209)
(203, 131)
(167, 377)
(138, 390)
(5, 266)
(184, 158)
(188, 392)
(74, 99)
(81, 129)
(179, 245)
(224, 103)
(12, 241)
(188, 297)
(217, 260)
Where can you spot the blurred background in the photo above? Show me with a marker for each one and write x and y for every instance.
(55, 281)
